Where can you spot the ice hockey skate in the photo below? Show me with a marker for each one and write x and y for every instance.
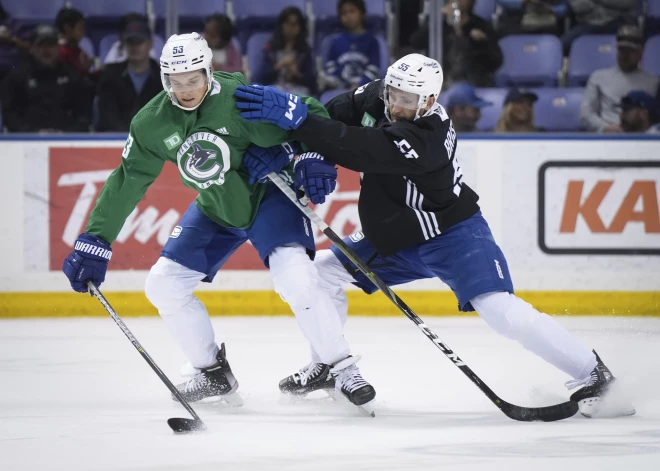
(311, 377)
(595, 398)
(213, 384)
(350, 385)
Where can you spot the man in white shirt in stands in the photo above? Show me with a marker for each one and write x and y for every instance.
(606, 87)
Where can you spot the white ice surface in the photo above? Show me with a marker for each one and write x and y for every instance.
(75, 395)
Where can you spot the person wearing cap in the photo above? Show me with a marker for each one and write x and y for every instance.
(640, 112)
(117, 52)
(518, 112)
(598, 17)
(125, 87)
(43, 94)
(606, 87)
(464, 107)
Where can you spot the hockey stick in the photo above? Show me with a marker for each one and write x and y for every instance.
(525, 414)
(179, 425)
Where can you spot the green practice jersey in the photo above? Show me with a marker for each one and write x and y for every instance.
(207, 146)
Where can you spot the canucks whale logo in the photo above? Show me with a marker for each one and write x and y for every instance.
(204, 159)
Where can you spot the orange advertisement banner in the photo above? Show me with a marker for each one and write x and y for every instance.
(77, 175)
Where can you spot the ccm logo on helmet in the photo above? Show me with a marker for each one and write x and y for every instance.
(179, 62)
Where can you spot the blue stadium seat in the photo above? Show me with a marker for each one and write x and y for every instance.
(87, 46)
(530, 60)
(324, 51)
(255, 47)
(485, 9)
(106, 44)
(590, 53)
(34, 11)
(330, 94)
(258, 16)
(490, 114)
(651, 57)
(558, 109)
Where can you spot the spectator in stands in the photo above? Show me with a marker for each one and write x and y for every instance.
(464, 107)
(124, 88)
(470, 49)
(218, 32)
(287, 58)
(518, 112)
(530, 16)
(354, 56)
(598, 17)
(71, 24)
(117, 52)
(640, 112)
(11, 45)
(606, 87)
(44, 94)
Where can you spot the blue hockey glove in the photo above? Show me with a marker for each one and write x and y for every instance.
(260, 161)
(88, 261)
(316, 176)
(259, 103)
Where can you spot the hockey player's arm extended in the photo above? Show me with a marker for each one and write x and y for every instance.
(398, 149)
(360, 107)
(124, 188)
(267, 135)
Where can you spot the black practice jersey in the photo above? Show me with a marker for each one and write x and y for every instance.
(411, 185)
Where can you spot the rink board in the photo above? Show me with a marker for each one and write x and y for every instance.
(260, 303)
(576, 216)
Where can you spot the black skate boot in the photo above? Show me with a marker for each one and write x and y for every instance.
(216, 381)
(350, 384)
(596, 387)
(310, 378)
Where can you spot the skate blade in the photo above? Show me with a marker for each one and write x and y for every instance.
(232, 399)
(366, 410)
(598, 408)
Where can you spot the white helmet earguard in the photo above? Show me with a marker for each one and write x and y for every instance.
(415, 74)
(185, 53)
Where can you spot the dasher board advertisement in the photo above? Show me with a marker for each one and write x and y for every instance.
(599, 208)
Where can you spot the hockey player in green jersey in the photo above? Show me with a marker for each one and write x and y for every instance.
(195, 125)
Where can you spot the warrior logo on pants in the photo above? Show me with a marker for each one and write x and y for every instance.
(198, 161)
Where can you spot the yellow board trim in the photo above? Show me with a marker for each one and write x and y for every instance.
(268, 303)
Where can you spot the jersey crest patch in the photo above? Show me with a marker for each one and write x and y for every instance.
(357, 236)
(173, 141)
(368, 121)
(204, 159)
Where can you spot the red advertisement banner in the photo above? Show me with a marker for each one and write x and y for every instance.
(77, 175)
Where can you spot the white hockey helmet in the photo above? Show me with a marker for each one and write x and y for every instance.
(418, 77)
(185, 53)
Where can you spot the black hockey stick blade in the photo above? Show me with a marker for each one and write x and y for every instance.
(181, 425)
(540, 414)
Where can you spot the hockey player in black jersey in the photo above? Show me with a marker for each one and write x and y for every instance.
(419, 219)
